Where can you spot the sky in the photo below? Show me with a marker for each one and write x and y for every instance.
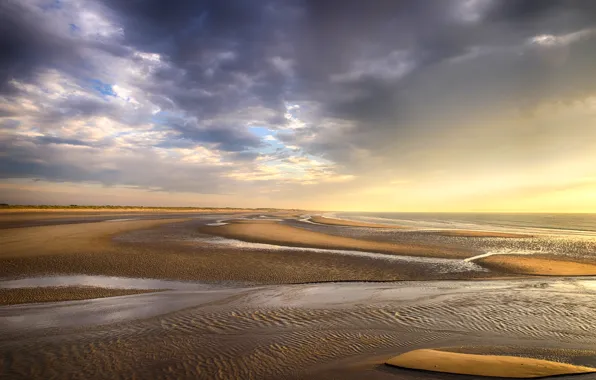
(400, 105)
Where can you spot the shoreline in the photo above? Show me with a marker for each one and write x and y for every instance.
(47, 294)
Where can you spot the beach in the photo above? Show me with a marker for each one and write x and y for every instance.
(332, 299)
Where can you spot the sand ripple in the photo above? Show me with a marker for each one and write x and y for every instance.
(294, 331)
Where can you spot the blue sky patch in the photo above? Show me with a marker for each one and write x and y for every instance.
(103, 88)
(260, 131)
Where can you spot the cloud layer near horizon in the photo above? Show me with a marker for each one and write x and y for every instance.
(315, 104)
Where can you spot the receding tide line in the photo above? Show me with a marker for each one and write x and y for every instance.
(501, 252)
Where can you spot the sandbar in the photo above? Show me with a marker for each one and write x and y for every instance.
(62, 293)
(279, 234)
(484, 365)
(541, 266)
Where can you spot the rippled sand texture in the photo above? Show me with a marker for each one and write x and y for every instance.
(305, 331)
(316, 331)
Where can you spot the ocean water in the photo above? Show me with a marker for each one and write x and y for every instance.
(570, 235)
(564, 223)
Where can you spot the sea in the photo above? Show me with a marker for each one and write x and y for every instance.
(567, 235)
(564, 223)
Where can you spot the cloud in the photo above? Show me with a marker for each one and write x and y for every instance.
(167, 95)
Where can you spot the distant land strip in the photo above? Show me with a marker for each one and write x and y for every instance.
(4, 206)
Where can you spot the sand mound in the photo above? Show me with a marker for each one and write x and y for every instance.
(349, 223)
(537, 266)
(484, 365)
(279, 234)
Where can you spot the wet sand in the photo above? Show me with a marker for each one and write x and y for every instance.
(234, 325)
(67, 293)
(538, 265)
(318, 331)
(484, 365)
(279, 234)
(180, 249)
(99, 249)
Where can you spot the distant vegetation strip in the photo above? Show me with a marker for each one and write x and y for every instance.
(110, 207)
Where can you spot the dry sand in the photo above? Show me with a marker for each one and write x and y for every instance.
(542, 266)
(349, 223)
(62, 293)
(279, 234)
(74, 238)
(484, 365)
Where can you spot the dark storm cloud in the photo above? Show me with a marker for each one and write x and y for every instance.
(498, 66)
(31, 40)
(213, 46)
(25, 45)
(532, 10)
